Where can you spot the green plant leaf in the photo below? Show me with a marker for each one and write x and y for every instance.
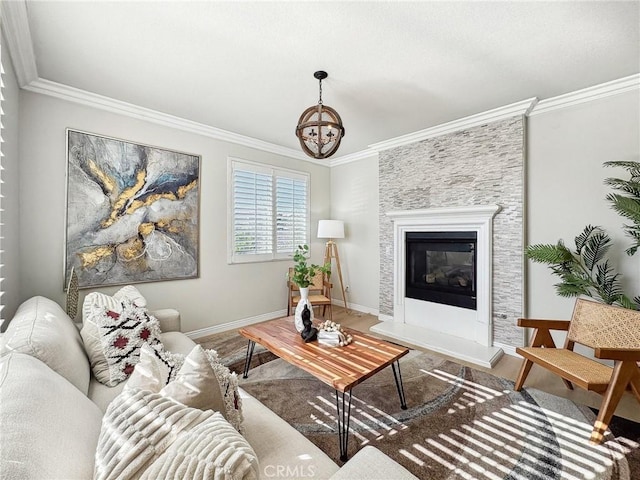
(550, 254)
(629, 186)
(581, 240)
(595, 249)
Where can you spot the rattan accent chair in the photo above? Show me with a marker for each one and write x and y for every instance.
(613, 333)
(319, 293)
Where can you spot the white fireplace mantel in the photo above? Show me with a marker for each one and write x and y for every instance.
(469, 335)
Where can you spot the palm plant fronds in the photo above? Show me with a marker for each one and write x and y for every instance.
(627, 205)
(628, 186)
(585, 271)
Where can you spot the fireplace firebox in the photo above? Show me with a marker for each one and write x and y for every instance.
(441, 267)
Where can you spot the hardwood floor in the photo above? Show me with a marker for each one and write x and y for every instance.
(508, 367)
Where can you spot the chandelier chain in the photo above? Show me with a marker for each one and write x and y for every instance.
(320, 89)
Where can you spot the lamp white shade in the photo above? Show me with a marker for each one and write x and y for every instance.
(330, 229)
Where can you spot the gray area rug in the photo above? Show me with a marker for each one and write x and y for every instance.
(461, 422)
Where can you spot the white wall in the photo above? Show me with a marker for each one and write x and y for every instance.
(566, 190)
(10, 202)
(223, 293)
(354, 199)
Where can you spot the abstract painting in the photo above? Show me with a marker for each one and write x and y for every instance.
(132, 212)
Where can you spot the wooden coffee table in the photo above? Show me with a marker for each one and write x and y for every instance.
(342, 368)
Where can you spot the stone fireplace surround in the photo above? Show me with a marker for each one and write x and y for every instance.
(473, 166)
(459, 332)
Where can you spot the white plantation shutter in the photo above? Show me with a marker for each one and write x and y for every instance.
(291, 214)
(1, 207)
(252, 213)
(269, 214)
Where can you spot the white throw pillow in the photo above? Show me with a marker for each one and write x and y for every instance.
(213, 449)
(200, 380)
(112, 302)
(196, 384)
(132, 293)
(155, 369)
(146, 435)
(120, 335)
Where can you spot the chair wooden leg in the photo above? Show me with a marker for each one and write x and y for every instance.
(620, 378)
(524, 371)
(635, 384)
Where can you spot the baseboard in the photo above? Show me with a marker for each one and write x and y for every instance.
(243, 322)
(223, 327)
(508, 349)
(355, 306)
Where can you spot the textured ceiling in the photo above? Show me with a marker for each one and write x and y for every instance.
(394, 67)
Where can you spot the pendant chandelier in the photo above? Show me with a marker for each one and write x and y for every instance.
(320, 127)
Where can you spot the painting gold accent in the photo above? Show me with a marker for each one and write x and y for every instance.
(124, 197)
(146, 228)
(108, 183)
(184, 189)
(131, 250)
(91, 258)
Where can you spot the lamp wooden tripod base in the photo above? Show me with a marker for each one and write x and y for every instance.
(331, 251)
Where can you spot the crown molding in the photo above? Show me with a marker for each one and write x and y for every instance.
(353, 157)
(622, 85)
(71, 94)
(519, 108)
(15, 25)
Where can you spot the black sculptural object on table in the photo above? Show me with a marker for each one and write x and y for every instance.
(308, 333)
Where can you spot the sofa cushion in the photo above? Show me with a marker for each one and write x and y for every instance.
(120, 334)
(49, 429)
(283, 451)
(146, 434)
(41, 328)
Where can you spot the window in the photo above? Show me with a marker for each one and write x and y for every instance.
(269, 213)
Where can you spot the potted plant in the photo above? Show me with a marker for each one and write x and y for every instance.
(303, 274)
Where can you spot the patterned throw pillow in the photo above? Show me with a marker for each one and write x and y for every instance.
(229, 388)
(121, 334)
(198, 381)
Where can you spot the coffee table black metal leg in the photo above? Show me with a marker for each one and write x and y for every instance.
(398, 376)
(247, 360)
(344, 416)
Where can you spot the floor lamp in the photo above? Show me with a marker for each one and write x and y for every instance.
(333, 229)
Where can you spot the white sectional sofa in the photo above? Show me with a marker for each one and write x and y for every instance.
(51, 408)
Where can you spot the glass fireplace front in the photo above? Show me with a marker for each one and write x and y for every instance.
(441, 267)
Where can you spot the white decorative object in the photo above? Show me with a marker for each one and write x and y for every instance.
(304, 300)
(331, 334)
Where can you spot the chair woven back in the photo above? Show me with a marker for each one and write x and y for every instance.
(317, 281)
(598, 325)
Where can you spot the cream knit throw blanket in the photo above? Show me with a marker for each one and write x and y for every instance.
(145, 435)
